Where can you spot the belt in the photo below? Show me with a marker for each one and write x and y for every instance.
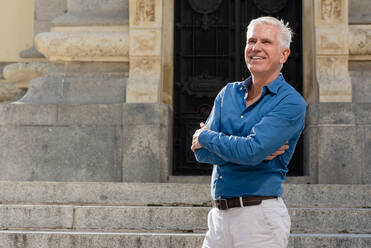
(235, 202)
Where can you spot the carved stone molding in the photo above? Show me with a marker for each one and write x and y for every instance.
(331, 11)
(333, 78)
(360, 40)
(145, 13)
(145, 42)
(332, 40)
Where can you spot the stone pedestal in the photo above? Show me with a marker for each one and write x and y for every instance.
(68, 126)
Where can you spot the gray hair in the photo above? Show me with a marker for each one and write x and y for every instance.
(285, 35)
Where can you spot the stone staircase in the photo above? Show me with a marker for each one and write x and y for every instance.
(113, 215)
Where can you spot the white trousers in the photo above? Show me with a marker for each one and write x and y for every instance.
(261, 226)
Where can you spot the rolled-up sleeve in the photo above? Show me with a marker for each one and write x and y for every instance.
(266, 137)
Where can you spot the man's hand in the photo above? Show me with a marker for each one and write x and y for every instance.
(278, 152)
(195, 144)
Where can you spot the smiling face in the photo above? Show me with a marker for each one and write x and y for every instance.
(264, 55)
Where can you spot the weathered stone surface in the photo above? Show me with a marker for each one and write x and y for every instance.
(20, 216)
(367, 154)
(146, 114)
(98, 240)
(90, 114)
(31, 53)
(144, 80)
(360, 74)
(105, 193)
(71, 19)
(329, 240)
(47, 10)
(146, 13)
(41, 27)
(146, 130)
(360, 40)
(333, 79)
(27, 114)
(83, 46)
(145, 154)
(295, 195)
(363, 113)
(185, 219)
(98, 6)
(331, 12)
(22, 239)
(141, 218)
(311, 116)
(60, 153)
(331, 40)
(26, 71)
(330, 220)
(336, 113)
(359, 11)
(319, 195)
(88, 89)
(145, 42)
(340, 155)
(311, 138)
(9, 91)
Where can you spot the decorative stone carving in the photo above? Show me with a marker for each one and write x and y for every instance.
(360, 40)
(145, 28)
(145, 12)
(331, 40)
(331, 19)
(145, 42)
(331, 11)
(333, 78)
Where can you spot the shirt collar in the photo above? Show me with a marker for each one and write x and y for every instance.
(271, 87)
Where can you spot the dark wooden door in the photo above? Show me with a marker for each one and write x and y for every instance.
(209, 42)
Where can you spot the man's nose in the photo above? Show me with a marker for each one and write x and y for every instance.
(257, 46)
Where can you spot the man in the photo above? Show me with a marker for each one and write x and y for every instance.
(249, 137)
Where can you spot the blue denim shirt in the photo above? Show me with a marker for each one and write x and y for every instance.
(242, 137)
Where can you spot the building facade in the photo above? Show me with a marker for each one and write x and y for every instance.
(101, 82)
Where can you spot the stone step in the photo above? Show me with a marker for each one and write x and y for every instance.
(175, 219)
(171, 194)
(42, 239)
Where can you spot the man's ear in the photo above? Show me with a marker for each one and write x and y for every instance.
(284, 55)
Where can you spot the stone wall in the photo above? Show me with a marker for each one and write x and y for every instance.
(338, 139)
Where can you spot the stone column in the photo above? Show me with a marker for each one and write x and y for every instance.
(145, 77)
(332, 50)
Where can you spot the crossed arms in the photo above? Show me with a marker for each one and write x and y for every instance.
(283, 122)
